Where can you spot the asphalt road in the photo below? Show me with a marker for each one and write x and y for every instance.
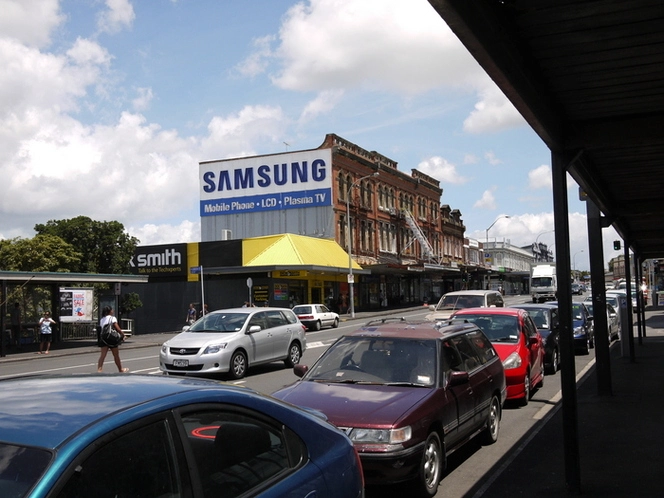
(466, 467)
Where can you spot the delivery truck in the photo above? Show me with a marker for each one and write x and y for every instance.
(543, 282)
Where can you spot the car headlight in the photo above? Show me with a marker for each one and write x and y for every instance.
(512, 361)
(164, 348)
(381, 436)
(215, 348)
(578, 331)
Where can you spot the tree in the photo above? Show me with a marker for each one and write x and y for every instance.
(41, 253)
(105, 247)
(129, 302)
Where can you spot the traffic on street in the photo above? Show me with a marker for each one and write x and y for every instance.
(469, 465)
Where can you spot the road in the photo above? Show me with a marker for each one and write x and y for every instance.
(468, 466)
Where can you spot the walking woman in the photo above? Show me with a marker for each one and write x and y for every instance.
(108, 317)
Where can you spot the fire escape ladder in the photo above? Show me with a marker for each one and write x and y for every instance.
(427, 249)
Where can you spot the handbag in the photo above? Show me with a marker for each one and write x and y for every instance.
(109, 336)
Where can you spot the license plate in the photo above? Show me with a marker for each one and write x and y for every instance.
(180, 363)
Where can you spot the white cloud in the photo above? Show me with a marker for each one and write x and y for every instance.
(491, 158)
(332, 44)
(258, 61)
(150, 234)
(29, 22)
(120, 14)
(142, 101)
(492, 113)
(440, 169)
(323, 103)
(540, 178)
(487, 201)
(235, 135)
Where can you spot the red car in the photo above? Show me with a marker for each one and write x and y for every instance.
(518, 343)
(407, 394)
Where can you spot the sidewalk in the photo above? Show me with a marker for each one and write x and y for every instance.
(621, 437)
(65, 348)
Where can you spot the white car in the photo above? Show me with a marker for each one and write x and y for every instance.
(453, 301)
(233, 340)
(316, 316)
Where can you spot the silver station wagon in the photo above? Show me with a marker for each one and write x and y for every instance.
(232, 340)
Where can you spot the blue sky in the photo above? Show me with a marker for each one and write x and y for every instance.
(107, 108)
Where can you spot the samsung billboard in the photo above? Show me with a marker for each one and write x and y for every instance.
(294, 180)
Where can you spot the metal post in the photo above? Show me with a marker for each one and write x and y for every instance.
(567, 370)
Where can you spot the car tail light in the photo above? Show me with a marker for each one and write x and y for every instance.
(306, 317)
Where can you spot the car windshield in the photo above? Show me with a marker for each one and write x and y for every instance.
(220, 322)
(21, 468)
(457, 302)
(302, 310)
(498, 328)
(541, 282)
(374, 360)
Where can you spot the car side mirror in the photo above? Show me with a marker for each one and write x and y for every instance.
(300, 370)
(533, 340)
(458, 378)
(254, 328)
(432, 307)
(185, 328)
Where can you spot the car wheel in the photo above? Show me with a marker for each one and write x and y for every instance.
(238, 365)
(317, 325)
(490, 434)
(526, 388)
(553, 366)
(336, 323)
(430, 467)
(294, 355)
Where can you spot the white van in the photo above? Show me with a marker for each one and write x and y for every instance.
(453, 301)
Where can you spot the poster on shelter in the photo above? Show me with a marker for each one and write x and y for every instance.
(76, 304)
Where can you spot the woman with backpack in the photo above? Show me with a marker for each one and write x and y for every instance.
(109, 319)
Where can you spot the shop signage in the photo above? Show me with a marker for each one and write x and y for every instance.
(266, 183)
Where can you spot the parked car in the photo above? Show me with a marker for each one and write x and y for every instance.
(577, 289)
(545, 318)
(518, 343)
(316, 316)
(453, 301)
(233, 340)
(583, 329)
(407, 394)
(623, 292)
(157, 436)
(612, 320)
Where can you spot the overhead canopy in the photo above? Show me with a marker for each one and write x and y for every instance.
(588, 76)
(291, 252)
(66, 277)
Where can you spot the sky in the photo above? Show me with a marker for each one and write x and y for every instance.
(108, 106)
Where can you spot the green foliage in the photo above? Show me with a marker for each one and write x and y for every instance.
(105, 247)
(129, 302)
(41, 253)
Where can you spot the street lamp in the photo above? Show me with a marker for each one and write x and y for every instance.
(349, 243)
(492, 224)
(542, 233)
(574, 262)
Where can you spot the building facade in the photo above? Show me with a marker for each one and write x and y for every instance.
(391, 222)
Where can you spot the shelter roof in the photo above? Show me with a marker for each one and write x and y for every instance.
(588, 76)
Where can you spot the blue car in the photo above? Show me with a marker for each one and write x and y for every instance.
(155, 436)
(582, 324)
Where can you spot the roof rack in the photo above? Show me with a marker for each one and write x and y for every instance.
(381, 321)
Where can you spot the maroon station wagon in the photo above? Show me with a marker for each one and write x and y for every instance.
(407, 394)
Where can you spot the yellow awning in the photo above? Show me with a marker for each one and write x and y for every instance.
(294, 250)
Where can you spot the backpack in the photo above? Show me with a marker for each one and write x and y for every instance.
(109, 336)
